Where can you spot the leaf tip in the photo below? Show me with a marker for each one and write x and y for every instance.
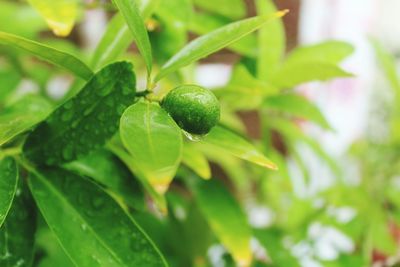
(282, 13)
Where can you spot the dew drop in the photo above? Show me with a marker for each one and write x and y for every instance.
(126, 90)
(97, 202)
(67, 115)
(68, 104)
(68, 152)
(120, 109)
(84, 227)
(193, 137)
(109, 102)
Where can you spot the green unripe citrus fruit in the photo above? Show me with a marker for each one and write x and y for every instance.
(195, 109)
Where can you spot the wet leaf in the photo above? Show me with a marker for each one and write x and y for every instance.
(8, 185)
(154, 141)
(85, 122)
(134, 20)
(91, 220)
(109, 171)
(18, 231)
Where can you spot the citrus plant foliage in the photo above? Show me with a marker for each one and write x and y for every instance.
(118, 172)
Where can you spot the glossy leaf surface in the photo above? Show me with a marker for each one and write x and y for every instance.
(22, 116)
(8, 185)
(214, 41)
(91, 220)
(18, 231)
(134, 20)
(86, 121)
(154, 141)
(109, 171)
(236, 145)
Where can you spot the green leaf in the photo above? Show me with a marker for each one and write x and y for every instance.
(214, 41)
(106, 169)
(196, 161)
(92, 220)
(225, 218)
(54, 255)
(117, 37)
(271, 41)
(15, 16)
(86, 121)
(234, 9)
(22, 116)
(131, 13)
(297, 106)
(158, 199)
(60, 15)
(9, 79)
(291, 75)
(236, 145)
(272, 241)
(202, 23)
(154, 141)
(18, 232)
(114, 42)
(332, 52)
(47, 53)
(8, 185)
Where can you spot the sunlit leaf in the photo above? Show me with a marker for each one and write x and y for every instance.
(22, 116)
(196, 161)
(203, 23)
(88, 119)
(214, 41)
(234, 9)
(52, 55)
(236, 145)
(225, 218)
(60, 15)
(8, 185)
(17, 234)
(154, 141)
(327, 52)
(271, 41)
(298, 106)
(134, 20)
(294, 74)
(92, 220)
(117, 37)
